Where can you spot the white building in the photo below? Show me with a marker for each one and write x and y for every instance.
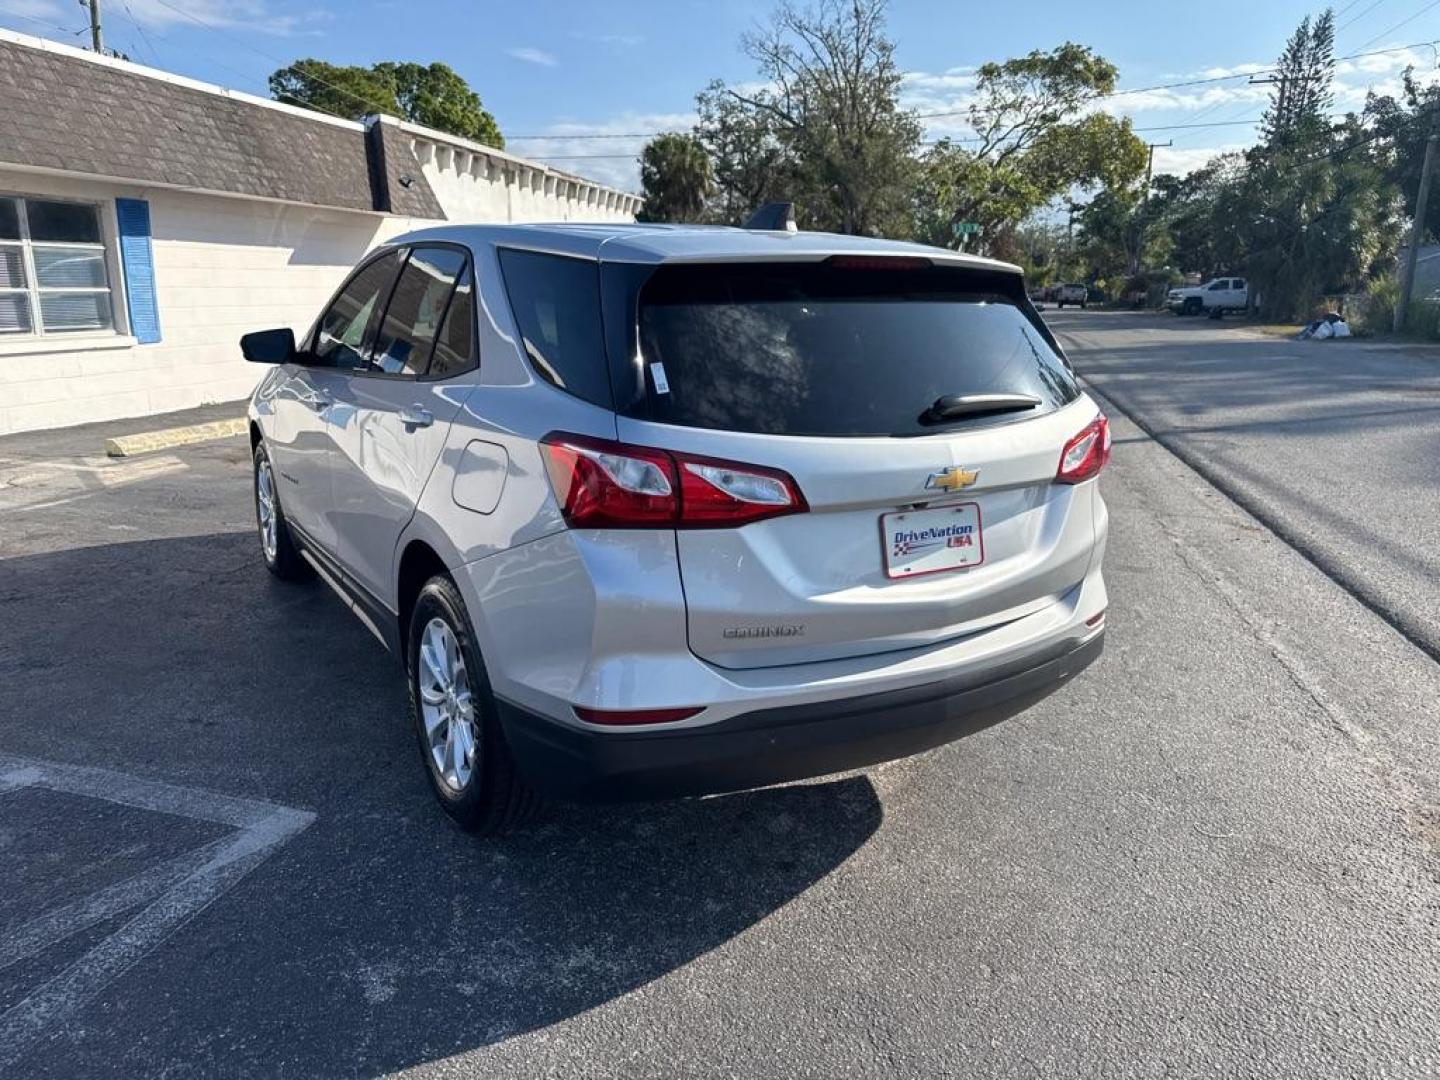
(148, 220)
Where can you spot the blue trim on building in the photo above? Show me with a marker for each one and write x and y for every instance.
(138, 262)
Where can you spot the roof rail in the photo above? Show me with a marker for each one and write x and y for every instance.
(774, 216)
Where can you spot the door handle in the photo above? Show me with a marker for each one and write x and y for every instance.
(417, 416)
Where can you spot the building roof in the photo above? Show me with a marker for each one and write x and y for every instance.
(652, 243)
(73, 111)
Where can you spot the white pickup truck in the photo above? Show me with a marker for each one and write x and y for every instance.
(1214, 298)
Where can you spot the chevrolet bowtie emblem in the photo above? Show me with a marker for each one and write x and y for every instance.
(952, 479)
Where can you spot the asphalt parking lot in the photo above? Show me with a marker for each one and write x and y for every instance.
(1216, 853)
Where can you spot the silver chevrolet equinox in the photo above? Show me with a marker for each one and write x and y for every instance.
(664, 510)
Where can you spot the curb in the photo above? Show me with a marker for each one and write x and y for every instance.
(146, 441)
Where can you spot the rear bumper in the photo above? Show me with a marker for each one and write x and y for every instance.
(771, 746)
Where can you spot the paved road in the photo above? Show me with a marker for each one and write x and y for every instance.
(1336, 444)
(1216, 853)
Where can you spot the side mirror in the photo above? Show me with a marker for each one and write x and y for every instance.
(269, 346)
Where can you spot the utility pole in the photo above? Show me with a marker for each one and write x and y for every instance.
(1138, 234)
(1150, 162)
(1417, 229)
(95, 39)
(1284, 83)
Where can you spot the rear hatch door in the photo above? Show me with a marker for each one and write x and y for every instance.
(922, 411)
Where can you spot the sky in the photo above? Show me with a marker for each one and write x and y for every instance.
(564, 78)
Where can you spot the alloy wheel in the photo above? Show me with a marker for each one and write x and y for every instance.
(447, 705)
(265, 507)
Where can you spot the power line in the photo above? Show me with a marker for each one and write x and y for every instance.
(1397, 26)
(47, 24)
(369, 105)
(1358, 17)
(926, 142)
(1357, 144)
(140, 30)
(963, 112)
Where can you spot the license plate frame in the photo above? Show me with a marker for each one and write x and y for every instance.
(926, 555)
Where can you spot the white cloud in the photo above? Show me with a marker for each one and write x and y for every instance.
(1180, 160)
(533, 56)
(1227, 103)
(252, 15)
(1223, 72)
(919, 82)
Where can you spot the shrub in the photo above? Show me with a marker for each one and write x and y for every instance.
(1422, 319)
(1379, 314)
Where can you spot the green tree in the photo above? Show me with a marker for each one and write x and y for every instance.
(674, 178)
(1300, 105)
(1034, 142)
(1315, 212)
(433, 95)
(1401, 126)
(438, 97)
(340, 91)
(828, 109)
(749, 163)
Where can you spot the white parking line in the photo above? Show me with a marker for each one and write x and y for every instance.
(173, 892)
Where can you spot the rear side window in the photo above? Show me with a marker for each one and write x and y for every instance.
(341, 336)
(412, 320)
(556, 301)
(455, 347)
(814, 349)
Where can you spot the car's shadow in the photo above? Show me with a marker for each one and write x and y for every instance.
(382, 936)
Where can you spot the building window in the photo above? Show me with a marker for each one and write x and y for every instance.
(53, 277)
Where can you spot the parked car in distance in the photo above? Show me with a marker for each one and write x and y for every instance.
(1071, 294)
(1214, 298)
(664, 510)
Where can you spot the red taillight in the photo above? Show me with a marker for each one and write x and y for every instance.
(631, 717)
(609, 485)
(1085, 454)
(604, 485)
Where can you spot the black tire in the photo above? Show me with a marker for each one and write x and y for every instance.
(286, 562)
(496, 797)
(1191, 306)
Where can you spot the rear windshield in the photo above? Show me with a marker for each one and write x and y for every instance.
(814, 349)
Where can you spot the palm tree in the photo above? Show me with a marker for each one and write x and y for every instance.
(674, 177)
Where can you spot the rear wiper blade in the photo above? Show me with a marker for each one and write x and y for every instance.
(959, 406)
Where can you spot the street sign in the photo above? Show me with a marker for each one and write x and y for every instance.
(966, 228)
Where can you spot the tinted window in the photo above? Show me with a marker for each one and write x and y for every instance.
(62, 223)
(811, 349)
(340, 339)
(9, 220)
(455, 347)
(407, 332)
(556, 301)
